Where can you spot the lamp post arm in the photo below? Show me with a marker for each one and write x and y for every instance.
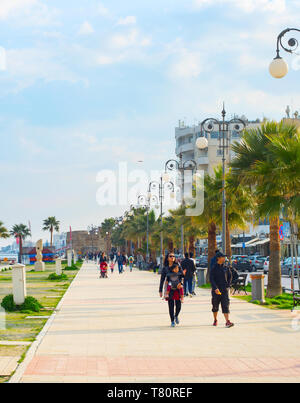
(293, 43)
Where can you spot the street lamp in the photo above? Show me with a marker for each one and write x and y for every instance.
(145, 202)
(278, 67)
(92, 230)
(224, 130)
(161, 187)
(181, 166)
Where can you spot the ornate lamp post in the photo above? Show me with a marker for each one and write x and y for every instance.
(224, 129)
(154, 185)
(145, 202)
(279, 68)
(182, 167)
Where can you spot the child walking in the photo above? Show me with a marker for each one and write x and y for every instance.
(174, 293)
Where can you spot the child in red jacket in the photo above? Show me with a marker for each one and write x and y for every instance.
(174, 294)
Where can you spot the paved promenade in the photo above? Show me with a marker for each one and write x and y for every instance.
(118, 330)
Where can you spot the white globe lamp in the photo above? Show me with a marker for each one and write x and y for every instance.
(201, 143)
(278, 68)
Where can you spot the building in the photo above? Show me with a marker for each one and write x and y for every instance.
(209, 158)
(60, 240)
(83, 242)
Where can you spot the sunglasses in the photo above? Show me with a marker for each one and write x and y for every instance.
(171, 256)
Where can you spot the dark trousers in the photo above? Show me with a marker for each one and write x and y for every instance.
(172, 305)
(120, 266)
(188, 285)
(220, 299)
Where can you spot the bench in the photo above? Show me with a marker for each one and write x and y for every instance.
(296, 298)
(240, 284)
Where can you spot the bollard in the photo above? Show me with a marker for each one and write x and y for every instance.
(258, 289)
(69, 257)
(201, 276)
(19, 283)
(58, 267)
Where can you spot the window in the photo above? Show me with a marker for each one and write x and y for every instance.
(214, 135)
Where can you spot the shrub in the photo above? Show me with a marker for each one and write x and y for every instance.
(8, 303)
(30, 304)
(73, 267)
(54, 276)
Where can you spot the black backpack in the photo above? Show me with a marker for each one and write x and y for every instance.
(174, 280)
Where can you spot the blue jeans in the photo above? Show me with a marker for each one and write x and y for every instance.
(130, 266)
(188, 285)
(120, 265)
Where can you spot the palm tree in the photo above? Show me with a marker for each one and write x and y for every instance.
(268, 159)
(51, 224)
(20, 232)
(106, 229)
(3, 231)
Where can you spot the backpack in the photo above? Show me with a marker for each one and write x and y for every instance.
(173, 281)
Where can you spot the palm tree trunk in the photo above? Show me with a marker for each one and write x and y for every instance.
(51, 240)
(274, 276)
(192, 245)
(212, 244)
(228, 240)
(170, 246)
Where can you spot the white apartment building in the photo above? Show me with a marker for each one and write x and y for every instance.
(209, 158)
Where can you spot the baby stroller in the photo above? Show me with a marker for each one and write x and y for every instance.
(103, 270)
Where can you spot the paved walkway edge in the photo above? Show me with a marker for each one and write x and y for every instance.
(34, 346)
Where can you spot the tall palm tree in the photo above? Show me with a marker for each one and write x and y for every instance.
(3, 231)
(51, 224)
(268, 159)
(20, 232)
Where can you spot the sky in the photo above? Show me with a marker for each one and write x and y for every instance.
(87, 85)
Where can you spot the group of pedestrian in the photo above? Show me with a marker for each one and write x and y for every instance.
(177, 281)
(109, 262)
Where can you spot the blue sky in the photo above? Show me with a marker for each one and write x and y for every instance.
(86, 86)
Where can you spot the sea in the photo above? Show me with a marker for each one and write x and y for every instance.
(8, 256)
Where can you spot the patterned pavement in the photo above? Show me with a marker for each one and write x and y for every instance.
(118, 330)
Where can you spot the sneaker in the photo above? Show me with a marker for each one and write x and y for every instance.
(176, 320)
(215, 323)
(229, 324)
(190, 295)
(172, 324)
(194, 293)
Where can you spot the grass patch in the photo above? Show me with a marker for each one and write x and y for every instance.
(284, 301)
(55, 277)
(38, 285)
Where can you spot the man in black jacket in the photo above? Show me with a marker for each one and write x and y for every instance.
(188, 267)
(220, 279)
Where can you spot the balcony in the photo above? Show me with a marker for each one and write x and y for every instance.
(185, 148)
(202, 160)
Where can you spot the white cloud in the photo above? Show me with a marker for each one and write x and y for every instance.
(188, 65)
(248, 6)
(26, 66)
(28, 12)
(86, 29)
(102, 10)
(130, 20)
(131, 38)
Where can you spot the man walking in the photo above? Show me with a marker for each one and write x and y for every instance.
(119, 260)
(220, 279)
(188, 267)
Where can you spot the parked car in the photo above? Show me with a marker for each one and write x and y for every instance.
(242, 263)
(266, 265)
(202, 261)
(257, 262)
(286, 267)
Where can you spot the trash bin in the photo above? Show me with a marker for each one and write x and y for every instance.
(201, 276)
(258, 287)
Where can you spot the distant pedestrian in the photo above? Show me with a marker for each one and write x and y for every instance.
(194, 275)
(131, 261)
(112, 266)
(220, 279)
(120, 261)
(188, 267)
(174, 293)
